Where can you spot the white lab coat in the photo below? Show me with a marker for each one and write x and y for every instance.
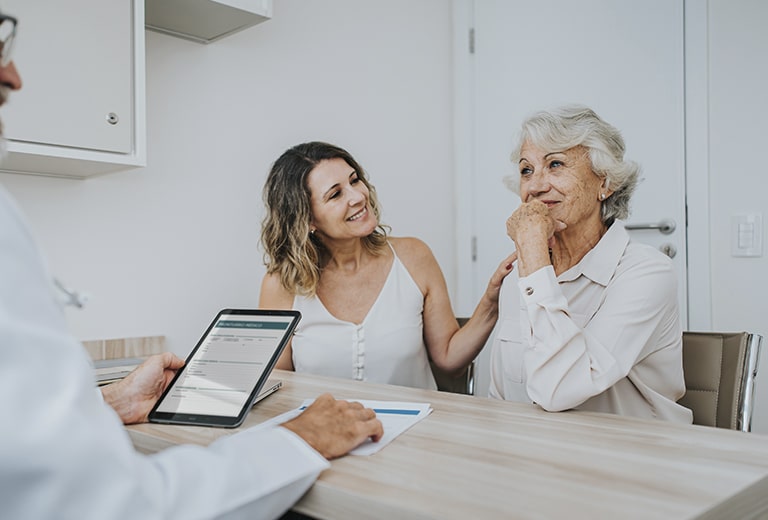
(65, 454)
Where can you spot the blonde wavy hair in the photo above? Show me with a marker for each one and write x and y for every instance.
(290, 250)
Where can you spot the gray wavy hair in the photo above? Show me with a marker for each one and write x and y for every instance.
(576, 125)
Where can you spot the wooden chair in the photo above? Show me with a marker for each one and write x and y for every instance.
(720, 370)
(464, 384)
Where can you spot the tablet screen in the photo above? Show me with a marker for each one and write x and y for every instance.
(226, 370)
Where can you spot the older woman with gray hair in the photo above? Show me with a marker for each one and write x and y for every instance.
(588, 319)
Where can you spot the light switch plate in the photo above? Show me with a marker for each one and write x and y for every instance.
(747, 234)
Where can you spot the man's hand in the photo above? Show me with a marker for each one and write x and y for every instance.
(134, 396)
(334, 427)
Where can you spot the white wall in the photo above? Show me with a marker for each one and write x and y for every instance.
(738, 83)
(162, 248)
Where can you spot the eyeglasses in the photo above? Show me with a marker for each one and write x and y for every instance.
(7, 35)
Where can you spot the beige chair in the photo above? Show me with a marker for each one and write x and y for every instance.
(720, 370)
(464, 384)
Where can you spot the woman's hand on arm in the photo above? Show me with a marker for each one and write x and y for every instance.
(450, 348)
(491, 297)
(439, 321)
(274, 296)
(471, 338)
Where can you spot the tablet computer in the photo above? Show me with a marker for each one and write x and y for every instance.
(225, 372)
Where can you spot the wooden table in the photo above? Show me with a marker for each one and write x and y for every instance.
(479, 458)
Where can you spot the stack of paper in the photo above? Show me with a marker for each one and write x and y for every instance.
(396, 417)
(111, 370)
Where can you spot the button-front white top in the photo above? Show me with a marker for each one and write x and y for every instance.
(387, 347)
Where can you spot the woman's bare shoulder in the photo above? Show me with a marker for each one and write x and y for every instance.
(418, 259)
(410, 247)
(273, 294)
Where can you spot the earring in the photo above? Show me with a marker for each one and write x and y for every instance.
(311, 231)
(602, 196)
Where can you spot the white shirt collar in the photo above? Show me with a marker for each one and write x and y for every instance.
(600, 263)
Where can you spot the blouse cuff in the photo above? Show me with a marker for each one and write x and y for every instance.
(539, 286)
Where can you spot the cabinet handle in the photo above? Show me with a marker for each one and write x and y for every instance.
(112, 118)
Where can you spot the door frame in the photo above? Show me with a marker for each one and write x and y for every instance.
(696, 157)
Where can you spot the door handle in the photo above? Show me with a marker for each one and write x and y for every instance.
(666, 226)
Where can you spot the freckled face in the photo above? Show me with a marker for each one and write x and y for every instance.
(339, 201)
(562, 180)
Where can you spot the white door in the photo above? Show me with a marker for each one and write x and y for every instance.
(624, 60)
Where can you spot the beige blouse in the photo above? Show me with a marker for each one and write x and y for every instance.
(603, 336)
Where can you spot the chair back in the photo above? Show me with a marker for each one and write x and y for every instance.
(720, 370)
(464, 384)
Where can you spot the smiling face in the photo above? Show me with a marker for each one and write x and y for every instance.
(564, 181)
(340, 201)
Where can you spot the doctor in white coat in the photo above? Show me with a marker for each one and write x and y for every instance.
(64, 452)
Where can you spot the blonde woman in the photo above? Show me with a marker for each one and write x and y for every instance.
(374, 307)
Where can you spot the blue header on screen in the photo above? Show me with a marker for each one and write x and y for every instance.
(232, 324)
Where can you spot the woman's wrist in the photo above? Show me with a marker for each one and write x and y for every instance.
(530, 261)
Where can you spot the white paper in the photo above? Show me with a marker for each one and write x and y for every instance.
(395, 416)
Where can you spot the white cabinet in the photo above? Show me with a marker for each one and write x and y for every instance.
(205, 21)
(81, 109)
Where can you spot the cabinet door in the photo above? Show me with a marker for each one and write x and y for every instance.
(77, 66)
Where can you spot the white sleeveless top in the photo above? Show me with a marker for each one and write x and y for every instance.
(387, 347)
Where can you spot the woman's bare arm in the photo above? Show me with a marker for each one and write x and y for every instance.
(274, 296)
